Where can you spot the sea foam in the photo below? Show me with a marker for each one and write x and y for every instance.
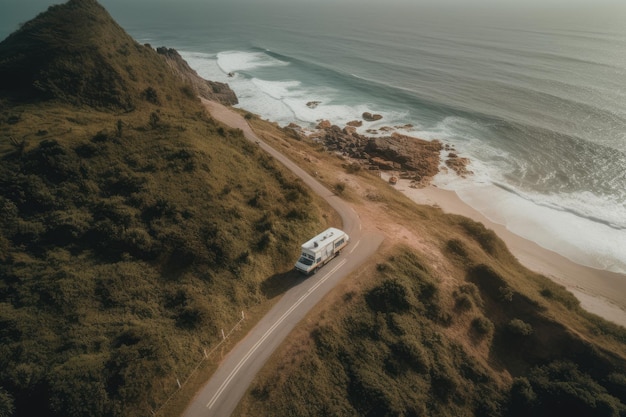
(578, 238)
(231, 61)
(583, 226)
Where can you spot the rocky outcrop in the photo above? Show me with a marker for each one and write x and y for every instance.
(458, 165)
(369, 117)
(410, 154)
(324, 124)
(415, 158)
(210, 90)
(407, 157)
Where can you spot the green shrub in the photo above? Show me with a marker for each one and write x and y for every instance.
(119, 128)
(616, 384)
(265, 241)
(86, 150)
(326, 340)
(463, 302)
(154, 121)
(518, 327)
(522, 398)
(390, 296)
(488, 280)
(353, 168)
(19, 146)
(560, 388)
(482, 326)
(7, 407)
(370, 395)
(457, 247)
(411, 355)
(193, 316)
(443, 385)
(77, 388)
(552, 291)
(506, 293)
(102, 136)
(53, 162)
(188, 91)
(151, 95)
(486, 238)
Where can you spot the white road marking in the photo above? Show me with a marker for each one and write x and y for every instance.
(282, 318)
(355, 246)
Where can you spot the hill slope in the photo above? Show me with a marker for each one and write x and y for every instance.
(444, 322)
(133, 227)
(78, 54)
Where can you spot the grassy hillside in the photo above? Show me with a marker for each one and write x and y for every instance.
(451, 325)
(133, 227)
(76, 53)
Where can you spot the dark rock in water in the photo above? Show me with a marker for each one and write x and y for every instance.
(369, 117)
(210, 90)
(412, 154)
(355, 123)
(418, 158)
(458, 165)
(324, 124)
(313, 104)
(349, 130)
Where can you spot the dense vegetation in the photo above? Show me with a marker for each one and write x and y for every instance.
(458, 328)
(132, 226)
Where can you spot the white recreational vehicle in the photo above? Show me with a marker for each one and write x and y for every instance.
(321, 249)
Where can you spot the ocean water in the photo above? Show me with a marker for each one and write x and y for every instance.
(535, 97)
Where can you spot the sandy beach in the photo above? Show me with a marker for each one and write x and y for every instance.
(600, 292)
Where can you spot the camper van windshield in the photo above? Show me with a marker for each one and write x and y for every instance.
(306, 261)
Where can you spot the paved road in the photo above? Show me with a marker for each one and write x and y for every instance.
(224, 390)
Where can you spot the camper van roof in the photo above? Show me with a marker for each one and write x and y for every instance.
(321, 238)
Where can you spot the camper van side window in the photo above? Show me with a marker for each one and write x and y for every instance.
(319, 259)
(339, 243)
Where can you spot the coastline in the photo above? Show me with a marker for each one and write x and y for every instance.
(599, 291)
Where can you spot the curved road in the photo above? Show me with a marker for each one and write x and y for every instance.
(222, 393)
